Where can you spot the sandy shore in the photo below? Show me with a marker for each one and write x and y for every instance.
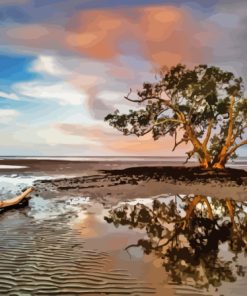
(60, 244)
(111, 186)
(112, 181)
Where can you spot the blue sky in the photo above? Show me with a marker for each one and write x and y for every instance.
(15, 68)
(65, 64)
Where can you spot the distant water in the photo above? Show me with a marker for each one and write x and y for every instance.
(102, 158)
(239, 162)
(241, 159)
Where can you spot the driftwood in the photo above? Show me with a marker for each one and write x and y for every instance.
(13, 202)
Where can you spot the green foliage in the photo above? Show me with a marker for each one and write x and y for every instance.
(189, 100)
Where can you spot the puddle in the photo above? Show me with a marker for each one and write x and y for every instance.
(201, 242)
(44, 209)
(74, 246)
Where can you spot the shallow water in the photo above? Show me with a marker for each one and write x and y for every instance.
(65, 247)
(52, 249)
(208, 254)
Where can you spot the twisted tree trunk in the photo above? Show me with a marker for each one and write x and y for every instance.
(204, 156)
(221, 159)
(226, 151)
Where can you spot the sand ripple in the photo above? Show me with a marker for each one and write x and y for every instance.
(50, 259)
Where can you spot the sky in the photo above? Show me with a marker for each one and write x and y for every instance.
(64, 65)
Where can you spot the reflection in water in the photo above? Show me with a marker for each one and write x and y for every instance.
(42, 252)
(188, 233)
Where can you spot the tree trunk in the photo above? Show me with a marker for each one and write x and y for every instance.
(220, 160)
(219, 166)
(206, 160)
(222, 157)
(204, 163)
(203, 155)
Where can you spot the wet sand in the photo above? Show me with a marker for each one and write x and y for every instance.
(112, 181)
(61, 245)
(58, 249)
(109, 185)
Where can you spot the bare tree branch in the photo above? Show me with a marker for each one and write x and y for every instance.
(176, 144)
(236, 147)
(208, 134)
(190, 154)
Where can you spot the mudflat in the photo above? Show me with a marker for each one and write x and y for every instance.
(61, 243)
(111, 183)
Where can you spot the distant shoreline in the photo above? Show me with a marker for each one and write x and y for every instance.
(113, 180)
(113, 185)
(49, 164)
(107, 157)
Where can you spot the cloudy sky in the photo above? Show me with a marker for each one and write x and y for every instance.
(65, 64)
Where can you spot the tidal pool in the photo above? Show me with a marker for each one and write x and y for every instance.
(73, 246)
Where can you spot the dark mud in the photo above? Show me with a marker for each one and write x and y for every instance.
(116, 185)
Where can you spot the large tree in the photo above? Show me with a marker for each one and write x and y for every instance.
(203, 106)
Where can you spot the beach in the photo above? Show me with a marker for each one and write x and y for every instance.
(112, 180)
(60, 244)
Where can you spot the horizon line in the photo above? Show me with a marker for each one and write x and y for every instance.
(90, 156)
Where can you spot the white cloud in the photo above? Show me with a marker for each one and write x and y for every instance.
(61, 92)
(117, 101)
(111, 96)
(7, 115)
(78, 71)
(49, 65)
(9, 96)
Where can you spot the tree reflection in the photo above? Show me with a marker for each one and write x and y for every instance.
(186, 232)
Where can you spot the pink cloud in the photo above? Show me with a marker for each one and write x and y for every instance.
(164, 34)
(95, 32)
(160, 34)
(115, 142)
(115, 49)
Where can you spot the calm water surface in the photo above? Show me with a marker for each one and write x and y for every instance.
(66, 247)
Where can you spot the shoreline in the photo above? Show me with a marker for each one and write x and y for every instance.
(111, 186)
(112, 181)
(70, 230)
